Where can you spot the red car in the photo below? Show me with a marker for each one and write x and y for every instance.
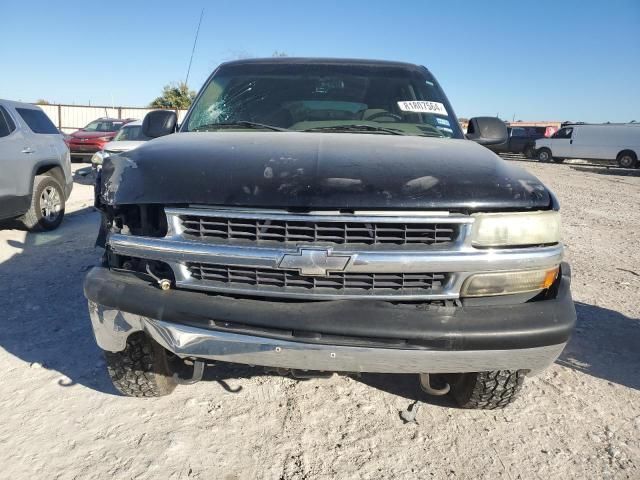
(92, 138)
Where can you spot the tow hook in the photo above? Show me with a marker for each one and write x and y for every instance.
(198, 371)
(425, 384)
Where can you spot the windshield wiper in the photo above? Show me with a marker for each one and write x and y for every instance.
(355, 127)
(241, 123)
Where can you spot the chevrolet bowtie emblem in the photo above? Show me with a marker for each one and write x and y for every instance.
(314, 262)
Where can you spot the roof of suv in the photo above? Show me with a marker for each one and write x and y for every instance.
(323, 61)
(15, 104)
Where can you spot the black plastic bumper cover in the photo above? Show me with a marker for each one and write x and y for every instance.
(524, 325)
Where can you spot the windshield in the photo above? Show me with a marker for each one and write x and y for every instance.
(103, 126)
(377, 99)
(130, 133)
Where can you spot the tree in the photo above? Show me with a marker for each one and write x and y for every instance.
(174, 95)
(42, 101)
(279, 54)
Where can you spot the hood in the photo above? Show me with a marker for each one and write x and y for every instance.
(319, 171)
(123, 145)
(83, 134)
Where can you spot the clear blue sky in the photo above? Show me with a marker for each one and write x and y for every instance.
(537, 60)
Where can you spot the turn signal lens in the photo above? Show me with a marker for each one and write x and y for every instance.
(504, 283)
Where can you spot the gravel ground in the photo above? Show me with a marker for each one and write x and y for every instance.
(61, 418)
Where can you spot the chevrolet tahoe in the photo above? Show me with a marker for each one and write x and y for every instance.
(326, 215)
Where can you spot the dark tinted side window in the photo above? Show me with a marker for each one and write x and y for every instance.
(564, 133)
(37, 120)
(6, 123)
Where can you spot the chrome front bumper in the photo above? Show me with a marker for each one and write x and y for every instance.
(112, 327)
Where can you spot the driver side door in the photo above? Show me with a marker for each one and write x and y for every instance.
(561, 146)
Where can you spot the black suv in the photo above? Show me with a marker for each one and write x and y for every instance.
(321, 215)
(520, 140)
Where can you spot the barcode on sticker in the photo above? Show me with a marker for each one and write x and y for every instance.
(419, 106)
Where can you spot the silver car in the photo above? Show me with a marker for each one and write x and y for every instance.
(128, 137)
(36, 175)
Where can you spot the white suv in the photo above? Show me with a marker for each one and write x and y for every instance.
(36, 175)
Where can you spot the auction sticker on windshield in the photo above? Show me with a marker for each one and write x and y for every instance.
(420, 106)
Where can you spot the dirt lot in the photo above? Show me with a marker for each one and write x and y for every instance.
(61, 418)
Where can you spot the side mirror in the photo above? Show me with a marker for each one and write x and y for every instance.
(159, 123)
(487, 130)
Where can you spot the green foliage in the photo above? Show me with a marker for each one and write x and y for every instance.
(174, 95)
(42, 101)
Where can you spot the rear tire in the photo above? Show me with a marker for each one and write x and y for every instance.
(627, 159)
(544, 155)
(486, 390)
(142, 369)
(47, 205)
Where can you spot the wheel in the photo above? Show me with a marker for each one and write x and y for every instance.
(142, 369)
(627, 159)
(47, 204)
(486, 390)
(544, 155)
(528, 152)
(558, 160)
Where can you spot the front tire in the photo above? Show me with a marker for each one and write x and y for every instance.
(627, 159)
(486, 390)
(142, 369)
(47, 205)
(544, 155)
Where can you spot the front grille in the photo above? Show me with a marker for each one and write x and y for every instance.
(335, 282)
(313, 231)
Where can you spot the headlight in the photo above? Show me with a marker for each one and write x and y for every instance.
(97, 158)
(503, 283)
(515, 229)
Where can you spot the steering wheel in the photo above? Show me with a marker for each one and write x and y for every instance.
(397, 118)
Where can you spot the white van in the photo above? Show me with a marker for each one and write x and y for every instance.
(609, 141)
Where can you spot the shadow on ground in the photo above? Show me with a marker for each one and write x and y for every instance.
(606, 345)
(621, 172)
(44, 315)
